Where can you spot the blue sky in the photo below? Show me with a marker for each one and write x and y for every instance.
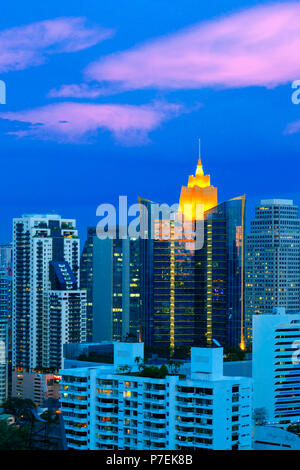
(242, 123)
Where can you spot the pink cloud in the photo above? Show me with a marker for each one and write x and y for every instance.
(292, 127)
(78, 122)
(258, 46)
(76, 91)
(25, 46)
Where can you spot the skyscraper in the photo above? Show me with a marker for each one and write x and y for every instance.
(6, 319)
(273, 260)
(116, 289)
(220, 274)
(86, 279)
(168, 290)
(5, 292)
(170, 316)
(48, 306)
(6, 255)
(3, 359)
(194, 296)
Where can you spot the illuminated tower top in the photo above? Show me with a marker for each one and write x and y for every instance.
(198, 192)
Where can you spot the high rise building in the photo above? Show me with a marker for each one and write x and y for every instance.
(3, 359)
(219, 269)
(110, 274)
(6, 255)
(194, 296)
(273, 260)
(168, 289)
(6, 314)
(86, 279)
(48, 305)
(106, 408)
(5, 292)
(276, 366)
(170, 316)
(116, 289)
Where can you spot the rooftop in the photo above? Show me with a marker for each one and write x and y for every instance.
(277, 202)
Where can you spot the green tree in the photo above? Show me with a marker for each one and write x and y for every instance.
(49, 417)
(12, 437)
(19, 407)
(154, 372)
(174, 366)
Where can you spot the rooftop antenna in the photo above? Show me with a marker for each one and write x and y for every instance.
(199, 170)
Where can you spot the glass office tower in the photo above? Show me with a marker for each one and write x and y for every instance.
(168, 286)
(115, 289)
(219, 269)
(86, 279)
(195, 296)
(273, 260)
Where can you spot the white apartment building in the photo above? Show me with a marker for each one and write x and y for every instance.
(46, 251)
(273, 260)
(276, 366)
(114, 407)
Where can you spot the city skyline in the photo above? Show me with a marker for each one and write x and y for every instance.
(150, 235)
(243, 124)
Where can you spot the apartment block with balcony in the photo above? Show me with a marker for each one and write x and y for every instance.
(276, 366)
(116, 407)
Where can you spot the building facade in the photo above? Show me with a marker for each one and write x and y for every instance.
(86, 279)
(6, 255)
(3, 359)
(273, 260)
(39, 387)
(46, 254)
(276, 366)
(194, 296)
(5, 292)
(219, 268)
(168, 289)
(106, 408)
(116, 289)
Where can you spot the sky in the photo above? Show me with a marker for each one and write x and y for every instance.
(106, 99)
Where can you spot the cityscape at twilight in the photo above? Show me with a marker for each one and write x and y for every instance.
(150, 235)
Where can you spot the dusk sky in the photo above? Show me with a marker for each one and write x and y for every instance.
(110, 98)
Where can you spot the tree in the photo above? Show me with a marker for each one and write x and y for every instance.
(49, 417)
(12, 437)
(140, 363)
(174, 366)
(154, 372)
(294, 428)
(20, 408)
(177, 365)
(137, 360)
(124, 369)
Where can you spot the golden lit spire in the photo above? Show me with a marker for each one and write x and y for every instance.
(199, 191)
(199, 169)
